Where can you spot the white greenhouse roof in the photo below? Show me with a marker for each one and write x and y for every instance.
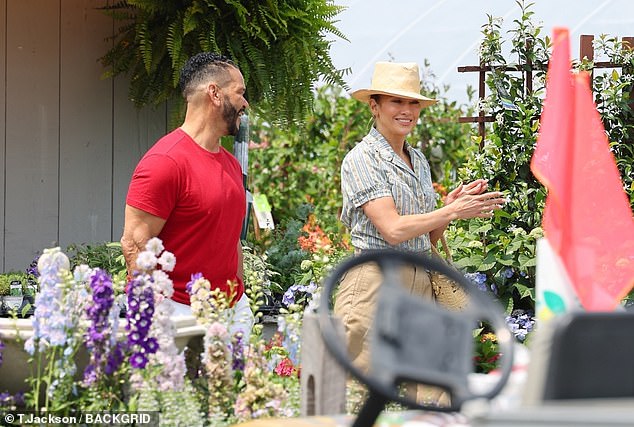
(447, 32)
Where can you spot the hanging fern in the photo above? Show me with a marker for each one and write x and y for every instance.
(280, 46)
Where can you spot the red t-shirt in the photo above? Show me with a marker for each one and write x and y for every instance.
(201, 196)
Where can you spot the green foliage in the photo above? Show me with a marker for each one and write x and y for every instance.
(5, 284)
(296, 165)
(106, 256)
(259, 279)
(504, 247)
(445, 142)
(299, 165)
(486, 351)
(284, 254)
(281, 47)
(318, 266)
(28, 283)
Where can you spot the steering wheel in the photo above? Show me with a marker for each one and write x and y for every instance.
(413, 339)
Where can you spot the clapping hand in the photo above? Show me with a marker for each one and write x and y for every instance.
(478, 186)
(471, 200)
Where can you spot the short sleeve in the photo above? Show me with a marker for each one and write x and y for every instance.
(362, 178)
(154, 185)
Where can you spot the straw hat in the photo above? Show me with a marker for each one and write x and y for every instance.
(396, 79)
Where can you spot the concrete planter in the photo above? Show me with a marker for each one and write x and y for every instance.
(15, 368)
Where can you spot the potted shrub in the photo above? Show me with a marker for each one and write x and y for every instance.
(11, 289)
(4, 291)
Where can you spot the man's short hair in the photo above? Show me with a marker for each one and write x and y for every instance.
(201, 67)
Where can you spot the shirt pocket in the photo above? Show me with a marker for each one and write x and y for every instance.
(405, 198)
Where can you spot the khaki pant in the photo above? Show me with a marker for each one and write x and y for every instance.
(355, 306)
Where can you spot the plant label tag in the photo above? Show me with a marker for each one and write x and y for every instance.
(262, 210)
(15, 288)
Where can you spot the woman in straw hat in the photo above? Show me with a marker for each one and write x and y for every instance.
(389, 201)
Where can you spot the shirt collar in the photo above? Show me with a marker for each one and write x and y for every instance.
(377, 140)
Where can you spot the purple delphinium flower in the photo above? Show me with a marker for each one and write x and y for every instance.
(139, 320)
(189, 285)
(1, 349)
(115, 358)
(50, 317)
(138, 360)
(151, 345)
(237, 352)
(100, 330)
(31, 270)
(60, 306)
(10, 401)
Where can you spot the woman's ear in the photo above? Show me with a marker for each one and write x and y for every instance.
(374, 107)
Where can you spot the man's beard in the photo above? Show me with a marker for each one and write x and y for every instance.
(230, 115)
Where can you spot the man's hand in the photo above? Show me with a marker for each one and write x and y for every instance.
(139, 227)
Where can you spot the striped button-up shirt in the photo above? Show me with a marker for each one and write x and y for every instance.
(372, 170)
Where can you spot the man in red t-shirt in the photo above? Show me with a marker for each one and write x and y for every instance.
(187, 189)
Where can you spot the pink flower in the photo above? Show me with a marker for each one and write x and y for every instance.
(285, 368)
(217, 329)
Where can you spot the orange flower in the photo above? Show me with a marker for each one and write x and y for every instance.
(316, 239)
(440, 189)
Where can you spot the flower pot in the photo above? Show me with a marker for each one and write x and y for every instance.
(12, 302)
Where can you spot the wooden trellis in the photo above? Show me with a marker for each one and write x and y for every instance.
(585, 50)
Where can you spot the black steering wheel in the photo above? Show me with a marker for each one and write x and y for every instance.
(416, 340)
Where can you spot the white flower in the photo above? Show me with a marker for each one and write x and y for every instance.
(196, 307)
(82, 273)
(281, 323)
(162, 309)
(155, 245)
(217, 329)
(53, 257)
(158, 298)
(474, 244)
(311, 288)
(162, 283)
(167, 260)
(146, 261)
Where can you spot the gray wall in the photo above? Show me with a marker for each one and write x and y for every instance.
(69, 139)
